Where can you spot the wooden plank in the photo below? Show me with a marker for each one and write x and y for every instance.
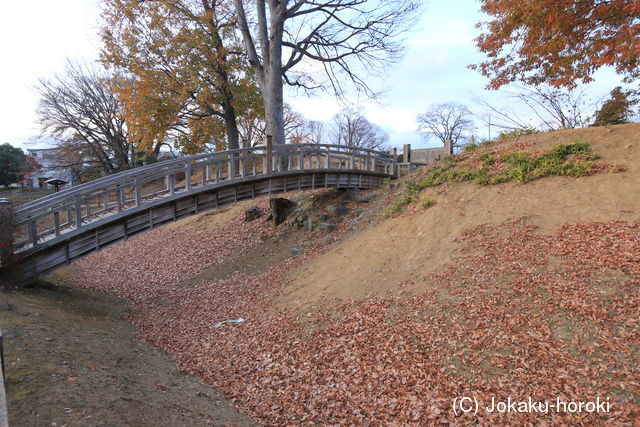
(50, 260)
(114, 232)
(81, 245)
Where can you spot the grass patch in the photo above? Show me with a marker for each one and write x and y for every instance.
(427, 202)
(410, 195)
(572, 159)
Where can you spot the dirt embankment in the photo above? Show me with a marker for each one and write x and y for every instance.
(502, 291)
(413, 245)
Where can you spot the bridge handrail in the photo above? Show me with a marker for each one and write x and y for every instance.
(220, 155)
(73, 207)
(97, 183)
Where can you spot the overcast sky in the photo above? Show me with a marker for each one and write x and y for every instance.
(37, 36)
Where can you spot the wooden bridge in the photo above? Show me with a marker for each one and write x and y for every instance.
(67, 225)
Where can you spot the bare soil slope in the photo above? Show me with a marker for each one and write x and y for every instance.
(412, 245)
(503, 291)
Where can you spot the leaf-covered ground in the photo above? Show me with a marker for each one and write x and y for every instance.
(518, 314)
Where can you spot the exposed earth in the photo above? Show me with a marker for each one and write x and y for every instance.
(488, 291)
(73, 359)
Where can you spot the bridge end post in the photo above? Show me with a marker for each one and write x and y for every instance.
(6, 236)
(406, 153)
(268, 160)
(394, 165)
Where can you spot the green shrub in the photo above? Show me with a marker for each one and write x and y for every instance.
(574, 159)
(516, 133)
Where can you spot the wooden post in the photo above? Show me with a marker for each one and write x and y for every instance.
(33, 232)
(406, 155)
(327, 161)
(187, 174)
(448, 144)
(231, 171)
(171, 183)
(6, 233)
(394, 153)
(300, 158)
(207, 172)
(218, 171)
(244, 143)
(268, 160)
(56, 223)
(122, 198)
(138, 191)
(78, 207)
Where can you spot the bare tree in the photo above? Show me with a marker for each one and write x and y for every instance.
(344, 36)
(447, 122)
(307, 132)
(80, 107)
(550, 108)
(351, 128)
(297, 128)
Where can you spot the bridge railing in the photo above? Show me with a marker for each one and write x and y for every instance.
(51, 216)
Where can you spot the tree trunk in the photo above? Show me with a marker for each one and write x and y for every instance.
(274, 109)
(231, 125)
(269, 71)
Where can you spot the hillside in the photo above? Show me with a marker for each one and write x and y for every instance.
(512, 290)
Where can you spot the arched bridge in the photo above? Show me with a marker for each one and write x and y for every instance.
(67, 225)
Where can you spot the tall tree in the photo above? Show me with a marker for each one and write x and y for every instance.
(344, 36)
(351, 128)
(188, 80)
(81, 106)
(447, 122)
(12, 163)
(558, 42)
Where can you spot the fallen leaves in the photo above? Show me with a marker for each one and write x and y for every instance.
(518, 314)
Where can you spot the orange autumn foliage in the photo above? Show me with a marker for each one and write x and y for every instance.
(183, 80)
(558, 42)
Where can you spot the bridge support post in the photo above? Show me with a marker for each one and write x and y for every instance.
(268, 160)
(6, 235)
(394, 165)
(406, 153)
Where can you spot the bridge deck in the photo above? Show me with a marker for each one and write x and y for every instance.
(67, 225)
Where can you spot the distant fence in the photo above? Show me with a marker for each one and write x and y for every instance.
(24, 190)
(23, 195)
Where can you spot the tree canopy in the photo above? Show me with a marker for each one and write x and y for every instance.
(558, 42)
(447, 122)
(79, 108)
(617, 109)
(12, 163)
(187, 78)
(351, 128)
